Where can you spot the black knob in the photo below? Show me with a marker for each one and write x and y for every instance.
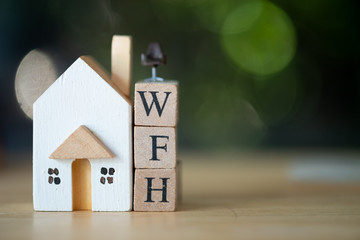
(154, 56)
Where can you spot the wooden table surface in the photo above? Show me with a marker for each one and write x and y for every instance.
(225, 196)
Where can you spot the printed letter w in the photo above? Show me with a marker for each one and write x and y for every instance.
(155, 101)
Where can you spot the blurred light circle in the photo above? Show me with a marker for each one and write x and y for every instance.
(259, 38)
(36, 72)
(243, 17)
(212, 13)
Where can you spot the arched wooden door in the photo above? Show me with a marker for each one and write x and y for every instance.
(81, 184)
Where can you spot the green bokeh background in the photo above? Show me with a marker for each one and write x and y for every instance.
(252, 73)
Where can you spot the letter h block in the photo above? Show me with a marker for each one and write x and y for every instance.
(156, 104)
(155, 190)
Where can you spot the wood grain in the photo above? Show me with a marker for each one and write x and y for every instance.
(235, 196)
(154, 147)
(81, 184)
(121, 58)
(82, 143)
(155, 190)
(162, 111)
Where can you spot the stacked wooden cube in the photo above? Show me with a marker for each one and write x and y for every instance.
(156, 113)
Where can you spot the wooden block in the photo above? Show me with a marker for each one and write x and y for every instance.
(179, 187)
(154, 147)
(81, 183)
(155, 190)
(82, 143)
(121, 52)
(156, 103)
(83, 95)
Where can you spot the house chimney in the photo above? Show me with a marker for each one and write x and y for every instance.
(121, 52)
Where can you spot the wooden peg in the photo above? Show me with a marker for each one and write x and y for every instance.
(121, 56)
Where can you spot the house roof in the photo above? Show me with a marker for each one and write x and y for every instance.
(104, 75)
(82, 143)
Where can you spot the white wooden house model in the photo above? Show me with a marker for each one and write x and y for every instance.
(82, 153)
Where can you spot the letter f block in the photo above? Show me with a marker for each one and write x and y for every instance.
(155, 147)
(156, 104)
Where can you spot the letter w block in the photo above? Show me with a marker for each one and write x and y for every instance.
(156, 103)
